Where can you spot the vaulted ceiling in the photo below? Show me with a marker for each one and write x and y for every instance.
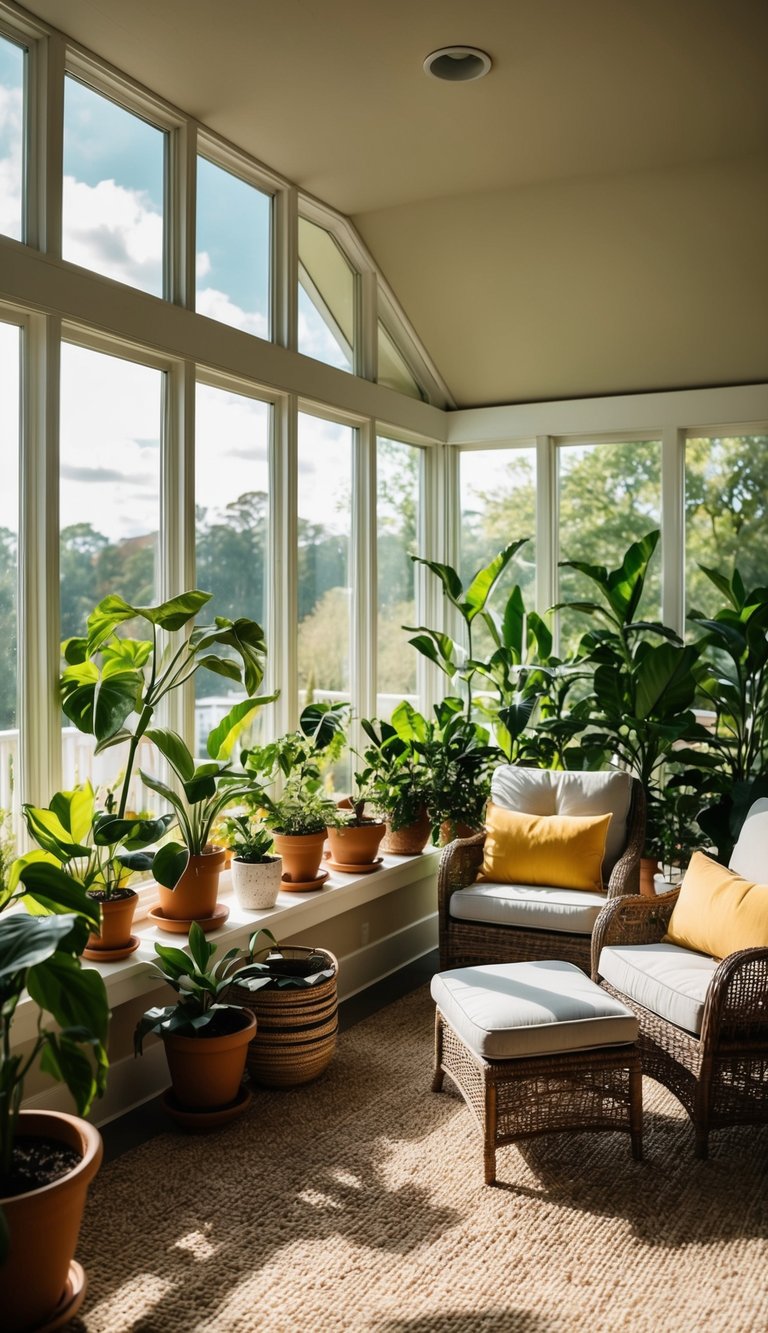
(589, 218)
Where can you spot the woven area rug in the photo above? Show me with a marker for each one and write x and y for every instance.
(357, 1203)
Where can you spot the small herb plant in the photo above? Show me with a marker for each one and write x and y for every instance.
(299, 761)
(247, 838)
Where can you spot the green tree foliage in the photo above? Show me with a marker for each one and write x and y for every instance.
(9, 631)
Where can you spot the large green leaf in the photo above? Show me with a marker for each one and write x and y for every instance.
(51, 834)
(169, 864)
(666, 684)
(439, 648)
(173, 748)
(485, 580)
(114, 610)
(221, 740)
(26, 941)
(322, 723)
(452, 584)
(80, 1062)
(56, 891)
(247, 639)
(115, 698)
(75, 996)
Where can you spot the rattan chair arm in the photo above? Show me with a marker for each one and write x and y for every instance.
(737, 999)
(631, 920)
(625, 876)
(459, 866)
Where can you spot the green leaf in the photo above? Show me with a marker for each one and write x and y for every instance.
(175, 961)
(75, 996)
(177, 611)
(452, 584)
(323, 722)
(666, 685)
(26, 941)
(161, 788)
(221, 740)
(173, 748)
(56, 891)
(169, 864)
(83, 1071)
(115, 698)
(485, 580)
(247, 639)
(439, 648)
(201, 951)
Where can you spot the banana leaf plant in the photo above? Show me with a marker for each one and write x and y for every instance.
(732, 679)
(94, 846)
(111, 685)
(45, 920)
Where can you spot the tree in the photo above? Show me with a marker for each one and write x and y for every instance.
(8, 621)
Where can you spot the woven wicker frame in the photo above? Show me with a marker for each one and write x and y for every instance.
(721, 1076)
(546, 1094)
(467, 943)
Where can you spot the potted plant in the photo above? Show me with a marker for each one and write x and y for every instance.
(397, 776)
(100, 851)
(354, 837)
(47, 1159)
(188, 873)
(205, 1039)
(255, 870)
(300, 811)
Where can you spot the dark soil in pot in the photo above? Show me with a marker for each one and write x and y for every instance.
(37, 1162)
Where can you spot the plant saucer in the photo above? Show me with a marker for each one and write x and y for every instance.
(96, 955)
(304, 886)
(72, 1298)
(366, 869)
(175, 926)
(209, 1118)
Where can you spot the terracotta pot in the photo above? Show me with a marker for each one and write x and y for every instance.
(356, 844)
(194, 897)
(207, 1071)
(407, 841)
(116, 922)
(648, 868)
(46, 1219)
(455, 828)
(256, 884)
(301, 855)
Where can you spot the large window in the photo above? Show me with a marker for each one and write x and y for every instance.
(394, 371)
(610, 496)
(726, 514)
(231, 527)
(12, 60)
(324, 529)
(109, 486)
(397, 526)
(114, 190)
(9, 529)
(327, 287)
(233, 250)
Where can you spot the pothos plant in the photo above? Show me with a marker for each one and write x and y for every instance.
(290, 773)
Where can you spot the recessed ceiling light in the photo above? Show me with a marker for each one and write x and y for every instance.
(457, 64)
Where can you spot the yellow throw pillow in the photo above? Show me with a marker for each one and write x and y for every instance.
(718, 912)
(563, 850)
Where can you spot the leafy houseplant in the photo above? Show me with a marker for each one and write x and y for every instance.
(397, 778)
(40, 952)
(300, 811)
(255, 870)
(354, 837)
(206, 1040)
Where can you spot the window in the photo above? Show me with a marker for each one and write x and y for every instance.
(324, 528)
(394, 371)
(397, 519)
(726, 511)
(610, 496)
(12, 133)
(111, 410)
(10, 365)
(233, 250)
(114, 187)
(326, 298)
(231, 523)
(498, 506)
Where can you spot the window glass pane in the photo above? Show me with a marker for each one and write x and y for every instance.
(325, 525)
(111, 412)
(114, 172)
(393, 367)
(233, 247)
(326, 298)
(397, 516)
(610, 496)
(232, 516)
(9, 530)
(726, 513)
(12, 102)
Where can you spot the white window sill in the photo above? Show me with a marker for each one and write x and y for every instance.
(293, 913)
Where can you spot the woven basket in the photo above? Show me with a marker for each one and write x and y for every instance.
(296, 1029)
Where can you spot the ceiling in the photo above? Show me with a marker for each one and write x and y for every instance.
(578, 222)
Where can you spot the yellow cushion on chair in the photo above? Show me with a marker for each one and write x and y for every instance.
(565, 851)
(718, 912)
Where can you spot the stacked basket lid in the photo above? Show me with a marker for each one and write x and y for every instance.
(296, 1029)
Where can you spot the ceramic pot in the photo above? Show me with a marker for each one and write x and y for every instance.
(256, 884)
(195, 894)
(206, 1072)
(116, 922)
(648, 868)
(407, 841)
(31, 1289)
(356, 844)
(301, 855)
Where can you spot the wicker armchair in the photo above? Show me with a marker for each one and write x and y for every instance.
(720, 1071)
(468, 942)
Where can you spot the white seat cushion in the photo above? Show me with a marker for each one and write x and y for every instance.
(543, 791)
(507, 1010)
(750, 855)
(530, 906)
(670, 981)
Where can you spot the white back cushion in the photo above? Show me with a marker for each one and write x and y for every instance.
(545, 791)
(750, 855)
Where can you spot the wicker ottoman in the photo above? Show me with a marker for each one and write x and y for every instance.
(536, 1048)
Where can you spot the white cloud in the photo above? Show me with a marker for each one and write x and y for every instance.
(217, 305)
(202, 264)
(113, 230)
(11, 165)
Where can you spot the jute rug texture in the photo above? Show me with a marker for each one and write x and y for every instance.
(357, 1203)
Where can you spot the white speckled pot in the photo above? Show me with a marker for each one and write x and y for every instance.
(256, 884)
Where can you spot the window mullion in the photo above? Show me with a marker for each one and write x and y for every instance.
(363, 621)
(45, 144)
(285, 268)
(673, 528)
(176, 555)
(547, 512)
(282, 598)
(181, 214)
